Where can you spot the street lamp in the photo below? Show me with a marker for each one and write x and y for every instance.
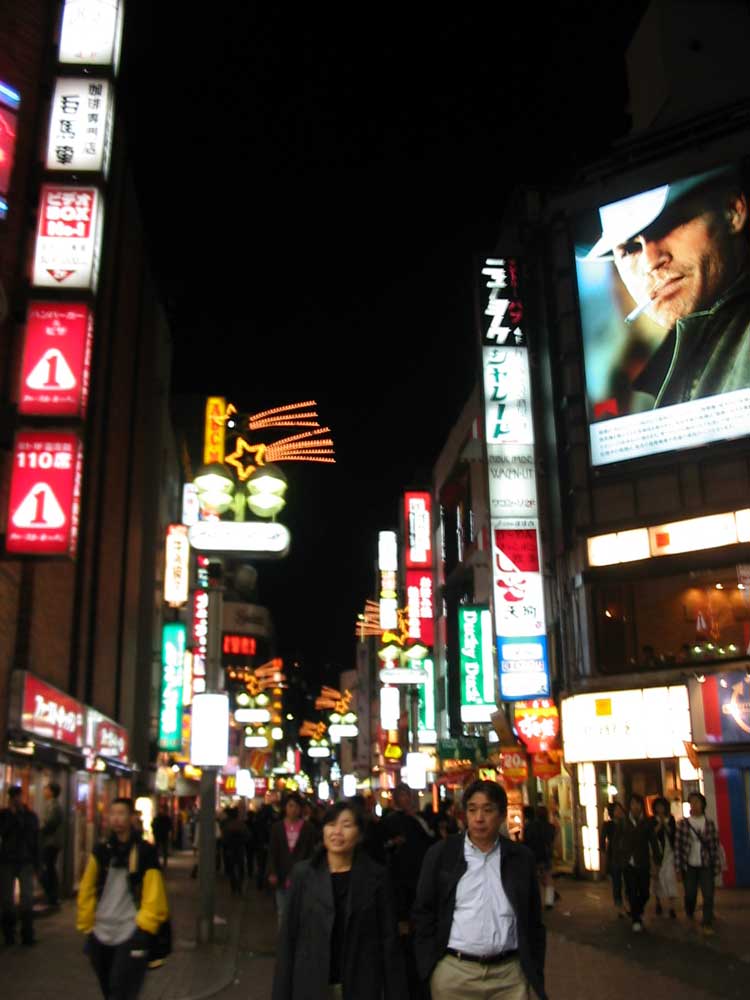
(266, 488)
(215, 486)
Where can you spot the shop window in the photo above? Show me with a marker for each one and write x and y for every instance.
(701, 616)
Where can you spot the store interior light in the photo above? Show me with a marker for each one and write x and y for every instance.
(740, 586)
(724, 683)
(277, 733)
(719, 586)
(701, 678)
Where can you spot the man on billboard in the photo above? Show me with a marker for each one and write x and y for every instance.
(681, 250)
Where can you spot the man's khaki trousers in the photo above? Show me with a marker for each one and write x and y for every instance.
(454, 979)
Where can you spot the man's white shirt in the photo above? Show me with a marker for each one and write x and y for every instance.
(484, 922)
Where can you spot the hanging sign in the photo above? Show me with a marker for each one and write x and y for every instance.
(545, 766)
(477, 669)
(515, 766)
(45, 491)
(10, 101)
(91, 32)
(173, 662)
(537, 724)
(56, 362)
(177, 564)
(49, 713)
(80, 127)
(418, 528)
(69, 236)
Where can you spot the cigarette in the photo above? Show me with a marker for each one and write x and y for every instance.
(632, 316)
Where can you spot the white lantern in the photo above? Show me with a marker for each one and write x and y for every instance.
(209, 742)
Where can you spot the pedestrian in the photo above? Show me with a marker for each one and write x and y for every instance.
(447, 825)
(162, 831)
(19, 859)
(637, 848)
(608, 847)
(250, 843)
(51, 839)
(122, 906)
(234, 844)
(698, 859)
(478, 915)
(664, 883)
(268, 814)
(539, 835)
(338, 937)
(292, 840)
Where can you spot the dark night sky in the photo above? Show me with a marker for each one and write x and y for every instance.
(315, 184)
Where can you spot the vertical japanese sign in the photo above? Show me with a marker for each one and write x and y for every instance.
(418, 529)
(477, 668)
(420, 606)
(176, 566)
(91, 32)
(173, 661)
(388, 567)
(68, 239)
(427, 708)
(45, 491)
(10, 101)
(215, 430)
(518, 586)
(56, 362)
(80, 126)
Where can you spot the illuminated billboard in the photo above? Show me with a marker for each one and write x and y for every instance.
(10, 101)
(176, 566)
(477, 667)
(45, 493)
(418, 529)
(80, 126)
(664, 295)
(69, 236)
(173, 664)
(56, 360)
(91, 32)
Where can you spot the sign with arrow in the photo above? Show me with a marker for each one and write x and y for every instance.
(56, 360)
(45, 489)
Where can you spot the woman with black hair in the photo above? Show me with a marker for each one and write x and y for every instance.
(339, 937)
(664, 881)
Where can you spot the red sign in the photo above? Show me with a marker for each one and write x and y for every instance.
(537, 724)
(261, 787)
(8, 131)
(420, 607)
(515, 766)
(45, 492)
(544, 766)
(238, 645)
(111, 740)
(51, 714)
(56, 360)
(418, 527)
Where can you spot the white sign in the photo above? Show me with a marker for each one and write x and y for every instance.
(626, 725)
(245, 784)
(176, 566)
(387, 551)
(257, 538)
(69, 236)
(390, 707)
(416, 770)
(80, 126)
(191, 505)
(244, 715)
(512, 471)
(91, 32)
(403, 675)
(507, 395)
(209, 731)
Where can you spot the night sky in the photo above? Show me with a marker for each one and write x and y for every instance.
(315, 184)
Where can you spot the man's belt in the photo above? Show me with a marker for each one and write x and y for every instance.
(502, 956)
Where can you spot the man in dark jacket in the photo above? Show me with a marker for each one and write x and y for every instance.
(161, 827)
(478, 916)
(636, 846)
(19, 857)
(51, 835)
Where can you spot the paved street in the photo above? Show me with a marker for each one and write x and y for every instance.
(591, 953)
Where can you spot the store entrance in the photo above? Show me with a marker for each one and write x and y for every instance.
(649, 778)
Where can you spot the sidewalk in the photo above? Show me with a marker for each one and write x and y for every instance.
(57, 967)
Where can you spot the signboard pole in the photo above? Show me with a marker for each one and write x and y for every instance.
(207, 821)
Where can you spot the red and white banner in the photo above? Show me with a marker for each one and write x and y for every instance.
(537, 724)
(56, 363)
(420, 606)
(49, 713)
(68, 239)
(418, 529)
(45, 492)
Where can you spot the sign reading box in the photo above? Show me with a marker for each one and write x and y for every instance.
(626, 725)
(80, 127)
(69, 236)
(56, 364)
(45, 493)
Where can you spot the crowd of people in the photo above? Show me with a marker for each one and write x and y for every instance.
(653, 855)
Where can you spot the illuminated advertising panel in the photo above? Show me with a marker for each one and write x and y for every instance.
(214, 432)
(48, 713)
(91, 32)
(10, 101)
(537, 724)
(173, 663)
(427, 708)
(200, 639)
(418, 529)
(420, 606)
(477, 668)
(56, 363)
(45, 492)
(209, 741)
(80, 126)
(518, 584)
(664, 341)
(176, 566)
(388, 567)
(626, 725)
(69, 236)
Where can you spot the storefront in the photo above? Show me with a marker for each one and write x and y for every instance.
(617, 743)
(54, 737)
(720, 710)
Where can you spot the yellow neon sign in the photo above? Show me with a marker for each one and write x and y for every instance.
(214, 429)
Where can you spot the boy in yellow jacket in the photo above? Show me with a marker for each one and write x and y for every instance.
(122, 906)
